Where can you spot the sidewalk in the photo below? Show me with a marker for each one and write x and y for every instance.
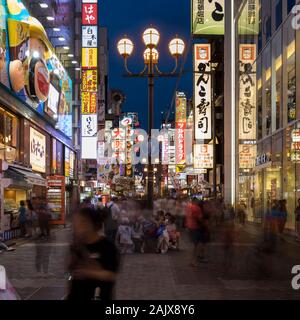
(239, 273)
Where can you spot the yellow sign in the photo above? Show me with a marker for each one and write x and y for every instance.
(89, 58)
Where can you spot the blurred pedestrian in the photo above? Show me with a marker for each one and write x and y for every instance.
(22, 218)
(124, 237)
(192, 222)
(111, 220)
(43, 218)
(94, 259)
(297, 218)
(282, 219)
(241, 213)
(29, 218)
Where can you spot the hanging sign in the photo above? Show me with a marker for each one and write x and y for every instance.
(247, 98)
(202, 91)
(208, 17)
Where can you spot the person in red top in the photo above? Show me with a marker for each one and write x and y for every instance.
(192, 221)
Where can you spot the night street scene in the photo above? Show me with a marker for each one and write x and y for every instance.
(149, 151)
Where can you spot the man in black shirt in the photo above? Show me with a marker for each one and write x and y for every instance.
(94, 259)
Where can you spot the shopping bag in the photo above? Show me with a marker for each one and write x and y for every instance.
(2, 278)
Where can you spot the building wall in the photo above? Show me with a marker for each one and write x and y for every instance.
(274, 173)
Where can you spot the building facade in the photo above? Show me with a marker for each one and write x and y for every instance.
(36, 117)
(268, 122)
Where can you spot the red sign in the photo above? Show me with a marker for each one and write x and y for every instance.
(89, 14)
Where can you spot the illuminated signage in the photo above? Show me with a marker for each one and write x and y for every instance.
(37, 151)
(202, 91)
(89, 125)
(203, 156)
(89, 58)
(247, 98)
(247, 156)
(88, 103)
(89, 80)
(181, 105)
(90, 14)
(89, 36)
(89, 84)
(208, 17)
(67, 162)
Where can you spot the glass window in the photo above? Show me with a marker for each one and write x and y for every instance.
(277, 81)
(290, 5)
(8, 136)
(290, 45)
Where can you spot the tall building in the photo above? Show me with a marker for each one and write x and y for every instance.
(36, 109)
(268, 126)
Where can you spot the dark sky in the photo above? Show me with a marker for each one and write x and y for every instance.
(132, 17)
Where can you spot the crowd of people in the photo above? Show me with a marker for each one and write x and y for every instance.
(34, 221)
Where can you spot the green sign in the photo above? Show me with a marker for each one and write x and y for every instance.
(208, 17)
(249, 19)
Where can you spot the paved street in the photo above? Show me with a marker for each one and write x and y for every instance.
(239, 274)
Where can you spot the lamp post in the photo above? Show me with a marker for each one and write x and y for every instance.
(151, 39)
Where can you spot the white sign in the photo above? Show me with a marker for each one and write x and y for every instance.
(2, 278)
(247, 156)
(203, 156)
(202, 91)
(89, 37)
(37, 151)
(89, 148)
(89, 125)
(126, 122)
(247, 99)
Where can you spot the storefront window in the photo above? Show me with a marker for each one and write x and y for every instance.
(8, 136)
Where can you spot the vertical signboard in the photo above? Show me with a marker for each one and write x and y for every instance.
(203, 156)
(89, 84)
(181, 105)
(247, 97)
(208, 17)
(56, 198)
(202, 91)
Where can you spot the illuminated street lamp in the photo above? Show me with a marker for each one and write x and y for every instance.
(151, 38)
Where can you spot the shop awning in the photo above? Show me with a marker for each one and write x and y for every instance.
(16, 173)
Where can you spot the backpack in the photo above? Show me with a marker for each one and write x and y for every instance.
(149, 228)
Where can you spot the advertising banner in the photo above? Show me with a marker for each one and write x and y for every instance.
(247, 93)
(203, 156)
(247, 156)
(89, 80)
(89, 84)
(36, 76)
(37, 151)
(89, 58)
(88, 103)
(181, 105)
(249, 18)
(89, 125)
(90, 13)
(208, 17)
(90, 36)
(202, 92)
